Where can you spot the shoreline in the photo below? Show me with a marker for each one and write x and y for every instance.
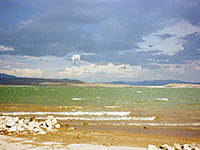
(108, 85)
(99, 138)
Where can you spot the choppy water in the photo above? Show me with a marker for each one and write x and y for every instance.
(174, 107)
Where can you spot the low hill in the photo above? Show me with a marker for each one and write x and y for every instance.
(12, 80)
(2, 75)
(152, 83)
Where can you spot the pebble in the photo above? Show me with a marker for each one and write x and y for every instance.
(57, 126)
(107, 144)
(152, 147)
(71, 128)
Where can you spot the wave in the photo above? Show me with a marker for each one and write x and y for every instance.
(78, 113)
(103, 118)
(71, 107)
(162, 99)
(112, 106)
(159, 124)
(77, 99)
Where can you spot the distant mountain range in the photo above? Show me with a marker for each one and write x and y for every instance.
(153, 82)
(13, 80)
(6, 79)
(2, 75)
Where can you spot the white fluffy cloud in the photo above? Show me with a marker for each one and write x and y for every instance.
(4, 48)
(88, 54)
(24, 72)
(28, 66)
(168, 40)
(105, 72)
(76, 57)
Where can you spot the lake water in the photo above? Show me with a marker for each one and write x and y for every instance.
(163, 107)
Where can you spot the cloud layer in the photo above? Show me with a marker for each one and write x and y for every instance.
(92, 36)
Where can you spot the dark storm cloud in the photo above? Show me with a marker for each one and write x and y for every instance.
(191, 50)
(164, 36)
(106, 28)
(132, 58)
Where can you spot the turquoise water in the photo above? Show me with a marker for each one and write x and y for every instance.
(100, 105)
(99, 96)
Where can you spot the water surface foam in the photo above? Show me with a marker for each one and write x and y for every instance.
(77, 113)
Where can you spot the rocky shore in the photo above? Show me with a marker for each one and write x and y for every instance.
(47, 129)
(10, 125)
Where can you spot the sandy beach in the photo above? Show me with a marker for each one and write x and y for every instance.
(101, 137)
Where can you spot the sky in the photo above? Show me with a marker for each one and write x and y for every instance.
(101, 40)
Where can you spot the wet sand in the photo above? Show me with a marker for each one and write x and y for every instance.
(102, 135)
(106, 136)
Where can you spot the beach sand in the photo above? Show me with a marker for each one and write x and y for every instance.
(101, 137)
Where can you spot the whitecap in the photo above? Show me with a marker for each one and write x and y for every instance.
(76, 99)
(105, 118)
(162, 99)
(94, 113)
(77, 107)
(159, 124)
(112, 106)
(101, 147)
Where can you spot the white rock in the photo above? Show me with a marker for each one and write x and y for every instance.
(21, 122)
(2, 118)
(16, 119)
(26, 121)
(21, 125)
(168, 147)
(194, 147)
(34, 124)
(57, 126)
(197, 148)
(2, 126)
(42, 132)
(48, 122)
(107, 144)
(30, 128)
(50, 117)
(36, 129)
(177, 146)
(24, 132)
(71, 128)
(10, 123)
(49, 128)
(13, 129)
(54, 121)
(42, 125)
(25, 126)
(20, 129)
(152, 147)
(53, 130)
(186, 147)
